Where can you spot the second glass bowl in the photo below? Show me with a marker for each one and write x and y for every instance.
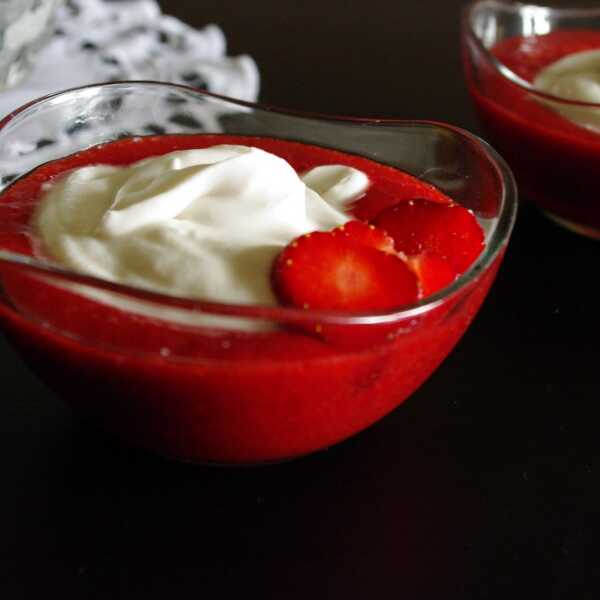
(556, 162)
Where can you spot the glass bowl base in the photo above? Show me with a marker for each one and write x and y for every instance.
(584, 230)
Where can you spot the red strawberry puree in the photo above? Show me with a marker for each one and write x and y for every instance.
(556, 161)
(219, 395)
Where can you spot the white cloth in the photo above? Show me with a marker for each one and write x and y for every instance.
(103, 40)
(99, 40)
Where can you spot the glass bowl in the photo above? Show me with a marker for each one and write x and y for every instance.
(555, 161)
(232, 384)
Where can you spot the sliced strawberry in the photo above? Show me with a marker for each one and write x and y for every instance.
(329, 271)
(366, 234)
(388, 192)
(432, 271)
(448, 230)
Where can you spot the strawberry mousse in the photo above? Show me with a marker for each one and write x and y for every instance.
(312, 338)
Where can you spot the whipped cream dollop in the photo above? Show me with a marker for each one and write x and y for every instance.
(574, 77)
(204, 223)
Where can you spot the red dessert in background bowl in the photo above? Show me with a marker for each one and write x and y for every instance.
(555, 160)
(220, 392)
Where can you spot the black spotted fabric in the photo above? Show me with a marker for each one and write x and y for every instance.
(99, 41)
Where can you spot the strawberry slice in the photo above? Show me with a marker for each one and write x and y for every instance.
(448, 230)
(387, 191)
(331, 271)
(432, 271)
(366, 234)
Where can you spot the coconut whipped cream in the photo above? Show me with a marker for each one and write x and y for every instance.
(203, 223)
(574, 77)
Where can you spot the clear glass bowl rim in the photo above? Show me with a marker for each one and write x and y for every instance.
(502, 69)
(496, 243)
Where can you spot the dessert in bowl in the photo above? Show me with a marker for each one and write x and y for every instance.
(327, 323)
(532, 72)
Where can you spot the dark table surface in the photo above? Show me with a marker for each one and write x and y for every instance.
(483, 485)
